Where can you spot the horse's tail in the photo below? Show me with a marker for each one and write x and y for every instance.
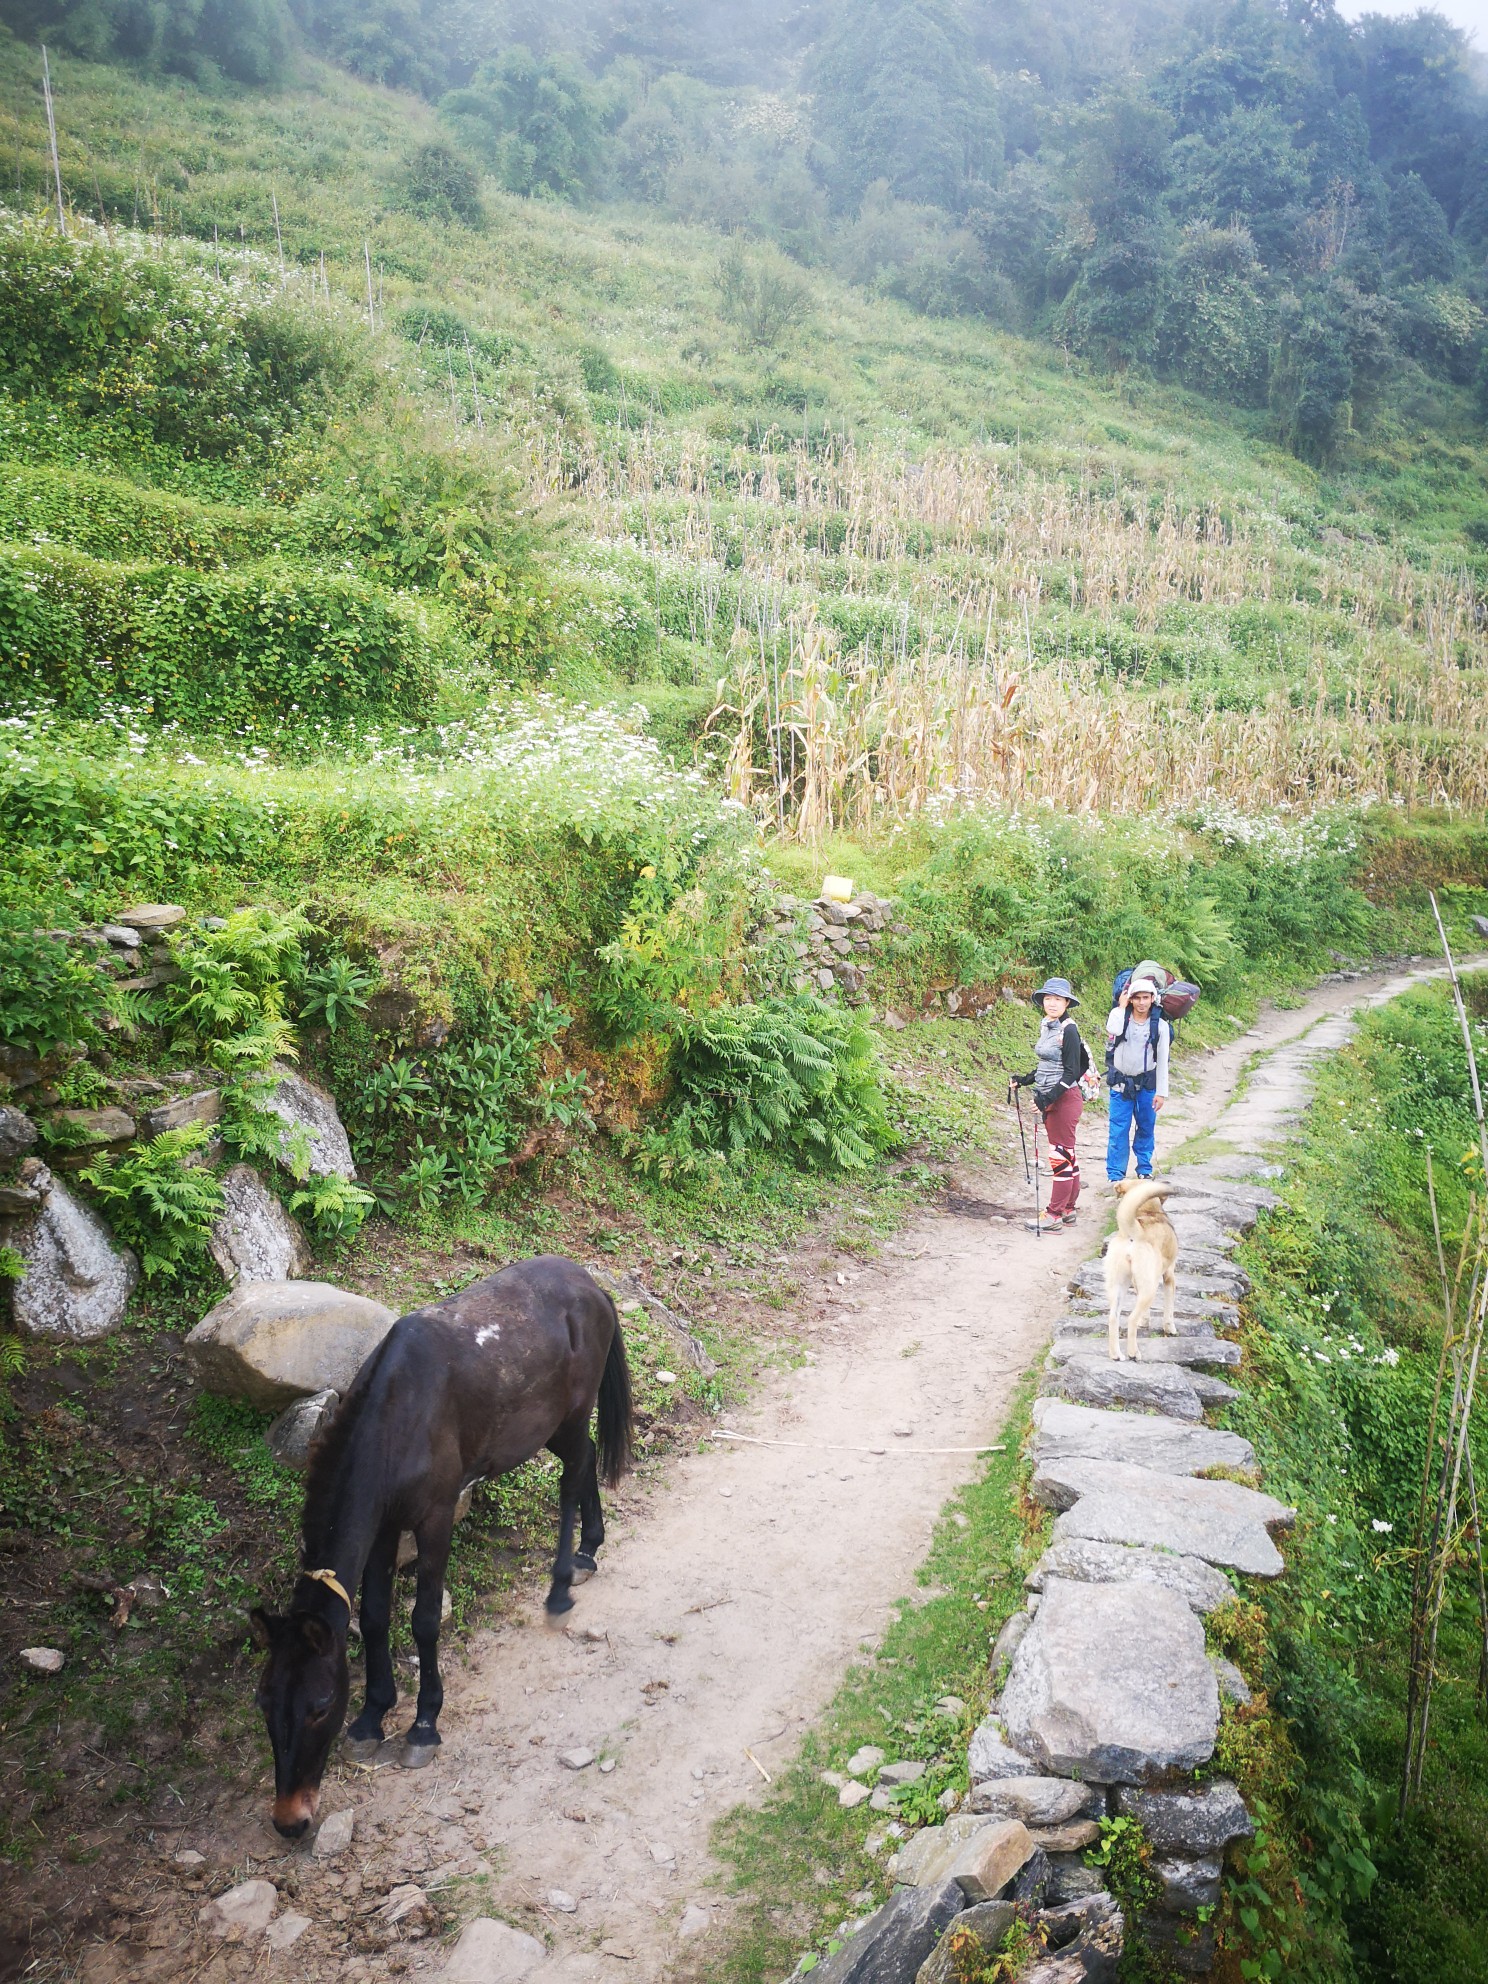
(616, 1413)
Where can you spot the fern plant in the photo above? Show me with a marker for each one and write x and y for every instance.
(333, 1207)
(158, 1204)
(791, 1073)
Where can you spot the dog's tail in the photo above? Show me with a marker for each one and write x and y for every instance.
(1130, 1204)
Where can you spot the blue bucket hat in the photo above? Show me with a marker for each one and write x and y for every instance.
(1055, 988)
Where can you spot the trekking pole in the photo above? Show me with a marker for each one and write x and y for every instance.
(1015, 1096)
(1038, 1210)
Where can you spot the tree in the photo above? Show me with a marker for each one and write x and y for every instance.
(1420, 100)
(1113, 309)
(1248, 173)
(1215, 332)
(539, 120)
(1418, 247)
(247, 40)
(899, 98)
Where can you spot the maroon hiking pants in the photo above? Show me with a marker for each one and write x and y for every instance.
(1060, 1125)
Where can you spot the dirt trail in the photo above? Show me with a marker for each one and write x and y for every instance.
(732, 1594)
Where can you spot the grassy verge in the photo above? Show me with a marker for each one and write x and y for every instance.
(1342, 1336)
(802, 1867)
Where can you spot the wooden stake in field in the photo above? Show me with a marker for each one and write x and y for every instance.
(51, 116)
(367, 258)
(278, 232)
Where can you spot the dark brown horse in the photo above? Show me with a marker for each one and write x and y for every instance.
(459, 1392)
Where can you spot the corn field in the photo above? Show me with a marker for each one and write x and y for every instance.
(969, 700)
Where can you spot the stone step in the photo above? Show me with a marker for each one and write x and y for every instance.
(1112, 1685)
(1221, 1521)
(1099, 1380)
(1201, 1347)
(1083, 1561)
(1066, 1432)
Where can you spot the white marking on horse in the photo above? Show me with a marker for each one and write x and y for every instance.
(487, 1332)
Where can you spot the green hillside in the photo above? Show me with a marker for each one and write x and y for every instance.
(476, 599)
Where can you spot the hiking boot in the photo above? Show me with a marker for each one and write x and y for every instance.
(1044, 1225)
(1069, 1218)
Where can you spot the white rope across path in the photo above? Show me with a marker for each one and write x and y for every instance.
(826, 1447)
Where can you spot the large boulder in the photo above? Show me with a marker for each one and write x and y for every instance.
(1113, 1685)
(255, 1239)
(1220, 1521)
(1037, 1801)
(292, 1435)
(77, 1283)
(1084, 1561)
(970, 1944)
(992, 1756)
(271, 1342)
(314, 1136)
(1141, 1439)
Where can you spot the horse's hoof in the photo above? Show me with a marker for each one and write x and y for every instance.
(558, 1602)
(359, 1748)
(416, 1756)
(584, 1567)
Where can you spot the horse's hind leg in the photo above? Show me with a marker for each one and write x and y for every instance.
(572, 1445)
(428, 1607)
(591, 1516)
(376, 1614)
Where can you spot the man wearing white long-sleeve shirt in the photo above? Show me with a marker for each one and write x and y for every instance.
(1137, 1043)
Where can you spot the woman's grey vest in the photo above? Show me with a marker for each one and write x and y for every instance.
(1049, 1056)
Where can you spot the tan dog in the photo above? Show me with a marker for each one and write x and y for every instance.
(1142, 1254)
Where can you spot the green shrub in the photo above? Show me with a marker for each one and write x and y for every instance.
(215, 650)
(437, 184)
(209, 366)
(51, 995)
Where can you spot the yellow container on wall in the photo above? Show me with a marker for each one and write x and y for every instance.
(837, 888)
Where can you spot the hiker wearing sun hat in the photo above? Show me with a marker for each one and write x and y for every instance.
(1061, 1063)
(1137, 1042)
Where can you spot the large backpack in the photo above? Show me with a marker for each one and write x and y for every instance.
(1176, 1001)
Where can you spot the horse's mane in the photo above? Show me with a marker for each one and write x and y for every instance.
(324, 1467)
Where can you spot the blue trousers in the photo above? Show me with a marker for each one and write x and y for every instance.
(1129, 1113)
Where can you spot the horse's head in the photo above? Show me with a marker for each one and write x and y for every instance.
(302, 1692)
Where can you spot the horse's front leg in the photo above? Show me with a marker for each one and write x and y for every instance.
(376, 1616)
(428, 1604)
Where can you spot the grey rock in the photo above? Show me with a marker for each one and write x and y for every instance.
(992, 1756)
(203, 1107)
(1212, 1390)
(1009, 1639)
(1187, 1945)
(77, 1284)
(273, 1342)
(1067, 1432)
(292, 1435)
(1191, 1349)
(894, 1942)
(152, 916)
(926, 1857)
(1074, 1836)
(1188, 1885)
(1220, 1521)
(1071, 1880)
(42, 1659)
(74, 1127)
(1064, 1922)
(1151, 1387)
(121, 935)
(255, 1238)
(1113, 1684)
(287, 1931)
(17, 1200)
(1030, 1886)
(1196, 1823)
(1037, 1801)
(1094, 1957)
(977, 1932)
(1233, 1686)
(242, 1913)
(314, 1135)
(868, 1757)
(1085, 1561)
(17, 1132)
(908, 1772)
(491, 1952)
(335, 1835)
(1197, 1232)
